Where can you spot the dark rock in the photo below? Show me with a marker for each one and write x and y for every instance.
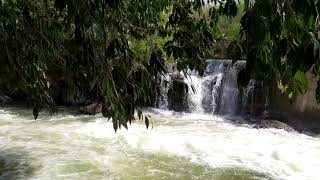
(91, 109)
(5, 100)
(272, 124)
(208, 85)
(177, 77)
(177, 94)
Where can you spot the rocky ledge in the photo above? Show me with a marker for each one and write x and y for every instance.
(270, 123)
(289, 124)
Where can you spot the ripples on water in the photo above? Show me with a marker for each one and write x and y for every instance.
(180, 146)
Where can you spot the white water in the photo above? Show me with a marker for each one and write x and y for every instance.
(163, 94)
(195, 93)
(214, 93)
(230, 92)
(180, 146)
(211, 90)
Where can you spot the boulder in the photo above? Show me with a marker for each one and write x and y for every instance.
(92, 109)
(269, 123)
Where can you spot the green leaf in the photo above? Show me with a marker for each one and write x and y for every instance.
(125, 125)
(146, 122)
(93, 83)
(115, 125)
(301, 78)
(35, 112)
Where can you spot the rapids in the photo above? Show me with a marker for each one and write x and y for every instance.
(180, 146)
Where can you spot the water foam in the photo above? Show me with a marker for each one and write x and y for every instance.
(73, 147)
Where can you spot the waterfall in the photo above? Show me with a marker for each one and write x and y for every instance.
(221, 94)
(216, 92)
(162, 98)
(212, 85)
(230, 92)
(194, 82)
(248, 95)
(256, 98)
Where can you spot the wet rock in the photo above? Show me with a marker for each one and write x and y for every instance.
(269, 123)
(177, 94)
(92, 109)
(208, 85)
(256, 96)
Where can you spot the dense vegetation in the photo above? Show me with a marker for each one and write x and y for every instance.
(280, 39)
(115, 50)
(89, 47)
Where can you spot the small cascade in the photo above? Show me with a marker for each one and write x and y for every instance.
(216, 92)
(230, 100)
(255, 98)
(248, 97)
(162, 98)
(212, 85)
(194, 82)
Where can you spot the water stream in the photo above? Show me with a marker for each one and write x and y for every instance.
(180, 146)
(216, 92)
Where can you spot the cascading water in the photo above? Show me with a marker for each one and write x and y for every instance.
(180, 146)
(255, 98)
(245, 97)
(162, 98)
(194, 82)
(212, 82)
(216, 92)
(230, 92)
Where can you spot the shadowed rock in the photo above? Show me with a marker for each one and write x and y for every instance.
(5, 100)
(92, 109)
(177, 94)
(273, 124)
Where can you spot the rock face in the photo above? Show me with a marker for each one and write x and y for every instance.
(92, 109)
(177, 94)
(304, 107)
(308, 102)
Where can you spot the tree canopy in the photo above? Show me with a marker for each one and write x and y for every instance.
(88, 46)
(107, 47)
(280, 39)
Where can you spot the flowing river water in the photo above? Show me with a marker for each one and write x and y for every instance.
(180, 146)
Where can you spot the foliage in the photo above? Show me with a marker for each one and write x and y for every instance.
(100, 47)
(280, 39)
(229, 27)
(226, 28)
(116, 50)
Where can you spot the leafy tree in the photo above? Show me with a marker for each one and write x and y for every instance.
(89, 47)
(280, 39)
(108, 47)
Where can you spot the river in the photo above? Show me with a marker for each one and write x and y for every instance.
(179, 146)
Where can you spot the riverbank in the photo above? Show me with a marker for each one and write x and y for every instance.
(285, 122)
